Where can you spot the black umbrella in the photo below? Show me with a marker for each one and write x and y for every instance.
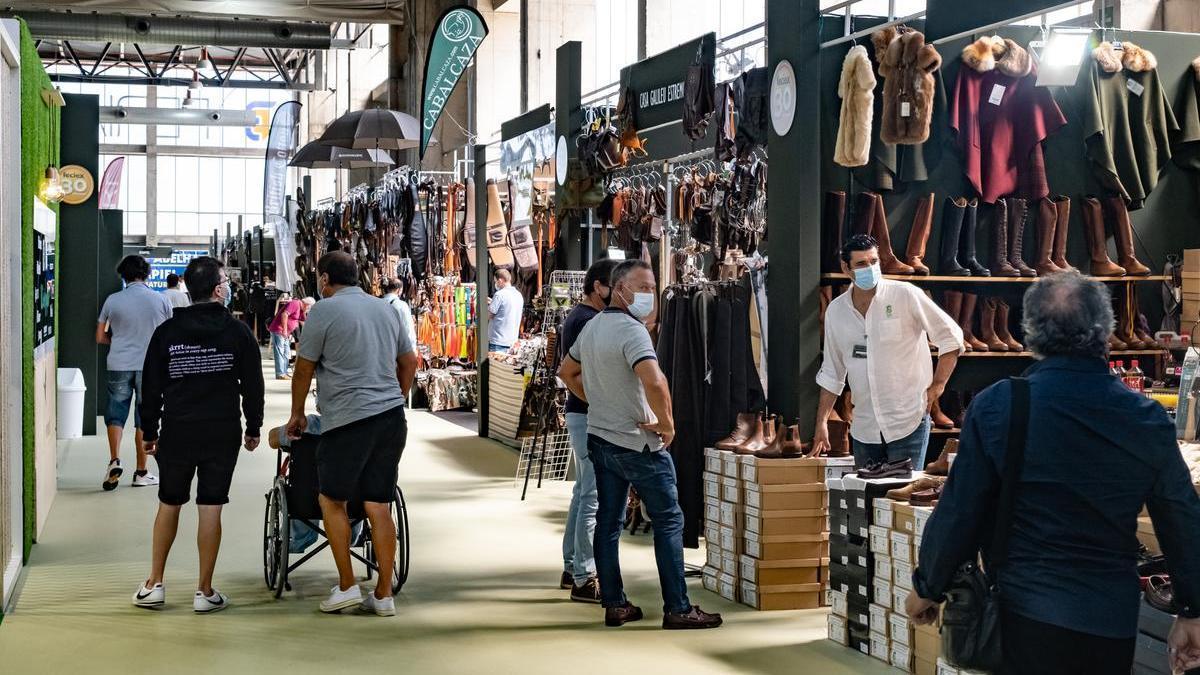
(375, 128)
(317, 156)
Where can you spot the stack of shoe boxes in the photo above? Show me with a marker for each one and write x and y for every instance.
(1191, 285)
(723, 523)
(785, 545)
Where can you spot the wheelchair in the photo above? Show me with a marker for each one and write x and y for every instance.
(293, 497)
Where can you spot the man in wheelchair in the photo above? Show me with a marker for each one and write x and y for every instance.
(353, 343)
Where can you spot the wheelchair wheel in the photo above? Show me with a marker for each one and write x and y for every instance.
(400, 567)
(276, 536)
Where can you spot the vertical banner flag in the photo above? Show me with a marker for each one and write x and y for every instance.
(459, 32)
(280, 143)
(110, 184)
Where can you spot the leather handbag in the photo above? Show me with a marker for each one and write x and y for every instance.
(971, 617)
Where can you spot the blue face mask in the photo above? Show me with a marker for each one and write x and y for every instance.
(867, 278)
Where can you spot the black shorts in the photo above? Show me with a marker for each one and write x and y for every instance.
(360, 461)
(207, 454)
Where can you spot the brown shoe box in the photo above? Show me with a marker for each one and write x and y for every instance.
(800, 521)
(903, 518)
(782, 572)
(927, 646)
(786, 497)
(793, 471)
(784, 596)
(786, 546)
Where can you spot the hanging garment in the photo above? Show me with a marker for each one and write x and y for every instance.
(1186, 152)
(857, 91)
(416, 237)
(698, 103)
(753, 108)
(1127, 122)
(726, 120)
(906, 65)
(1001, 118)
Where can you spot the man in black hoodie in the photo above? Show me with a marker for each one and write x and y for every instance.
(199, 363)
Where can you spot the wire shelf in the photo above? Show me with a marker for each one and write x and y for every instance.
(550, 459)
(566, 289)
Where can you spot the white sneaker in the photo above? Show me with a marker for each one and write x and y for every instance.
(339, 599)
(145, 480)
(150, 597)
(384, 607)
(113, 478)
(213, 603)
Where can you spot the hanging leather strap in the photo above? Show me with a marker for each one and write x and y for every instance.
(1014, 461)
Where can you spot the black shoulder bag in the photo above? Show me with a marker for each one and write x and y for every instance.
(971, 617)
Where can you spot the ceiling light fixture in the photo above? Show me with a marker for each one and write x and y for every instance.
(188, 101)
(204, 64)
(195, 83)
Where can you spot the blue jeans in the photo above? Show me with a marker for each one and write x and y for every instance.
(493, 347)
(122, 385)
(912, 446)
(578, 558)
(653, 474)
(281, 348)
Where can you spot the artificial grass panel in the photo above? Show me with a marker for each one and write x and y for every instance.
(39, 149)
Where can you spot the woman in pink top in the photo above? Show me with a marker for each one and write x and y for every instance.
(288, 316)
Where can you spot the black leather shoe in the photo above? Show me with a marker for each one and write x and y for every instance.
(619, 616)
(901, 468)
(692, 619)
(566, 582)
(588, 592)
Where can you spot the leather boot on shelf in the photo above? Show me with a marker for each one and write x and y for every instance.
(863, 220)
(1047, 221)
(756, 441)
(1097, 240)
(787, 445)
(987, 326)
(998, 263)
(741, 432)
(1127, 323)
(1141, 329)
(1018, 215)
(833, 219)
(940, 419)
(771, 428)
(887, 256)
(952, 229)
(952, 303)
(918, 237)
(1002, 331)
(941, 465)
(1122, 228)
(839, 436)
(967, 319)
(1062, 207)
(966, 242)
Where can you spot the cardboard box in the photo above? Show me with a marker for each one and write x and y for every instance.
(792, 596)
(781, 572)
(901, 657)
(899, 599)
(901, 546)
(880, 647)
(837, 630)
(901, 629)
(902, 574)
(858, 552)
(903, 519)
(926, 645)
(883, 567)
(727, 586)
(881, 540)
(729, 563)
(731, 490)
(712, 460)
(729, 465)
(1191, 259)
(838, 602)
(944, 668)
(729, 514)
(786, 546)
(712, 485)
(709, 576)
(714, 554)
(786, 497)
(805, 521)
(923, 667)
(883, 513)
(858, 611)
(921, 516)
(712, 512)
(851, 579)
(712, 531)
(882, 592)
(731, 539)
(793, 471)
(879, 620)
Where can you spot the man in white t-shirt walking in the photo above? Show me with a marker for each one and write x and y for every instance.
(174, 294)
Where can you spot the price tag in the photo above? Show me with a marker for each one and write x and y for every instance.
(997, 94)
(1135, 87)
(905, 109)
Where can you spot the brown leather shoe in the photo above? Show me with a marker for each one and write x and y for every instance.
(941, 465)
(926, 497)
(566, 581)
(740, 434)
(693, 618)
(588, 592)
(619, 616)
(786, 445)
(755, 442)
(923, 483)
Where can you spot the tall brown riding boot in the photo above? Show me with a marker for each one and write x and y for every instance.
(1118, 216)
(863, 220)
(1018, 214)
(740, 434)
(1047, 221)
(1062, 205)
(1127, 321)
(998, 264)
(952, 303)
(987, 326)
(966, 319)
(919, 236)
(940, 419)
(888, 261)
(833, 219)
(1002, 331)
(1097, 241)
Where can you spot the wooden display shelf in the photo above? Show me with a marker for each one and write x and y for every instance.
(1029, 355)
(838, 276)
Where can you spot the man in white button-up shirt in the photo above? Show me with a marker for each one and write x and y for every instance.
(875, 339)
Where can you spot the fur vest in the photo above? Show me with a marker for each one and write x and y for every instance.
(907, 65)
(857, 91)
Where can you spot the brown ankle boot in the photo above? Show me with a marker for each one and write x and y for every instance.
(1062, 205)
(998, 265)
(1002, 331)
(887, 257)
(833, 218)
(1018, 215)
(966, 319)
(919, 236)
(987, 326)
(1097, 240)
(1047, 222)
(755, 442)
(941, 466)
(952, 303)
(940, 419)
(740, 434)
(1118, 216)
(839, 436)
(787, 445)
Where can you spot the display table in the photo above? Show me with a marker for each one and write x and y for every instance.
(506, 392)
(441, 389)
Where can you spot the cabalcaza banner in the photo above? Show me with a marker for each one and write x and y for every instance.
(460, 30)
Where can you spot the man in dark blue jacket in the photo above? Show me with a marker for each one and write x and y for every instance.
(1095, 455)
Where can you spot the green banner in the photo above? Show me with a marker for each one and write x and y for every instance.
(459, 32)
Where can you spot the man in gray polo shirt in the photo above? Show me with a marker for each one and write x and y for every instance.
(126, 323)
(612, 366)
(355, 346)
